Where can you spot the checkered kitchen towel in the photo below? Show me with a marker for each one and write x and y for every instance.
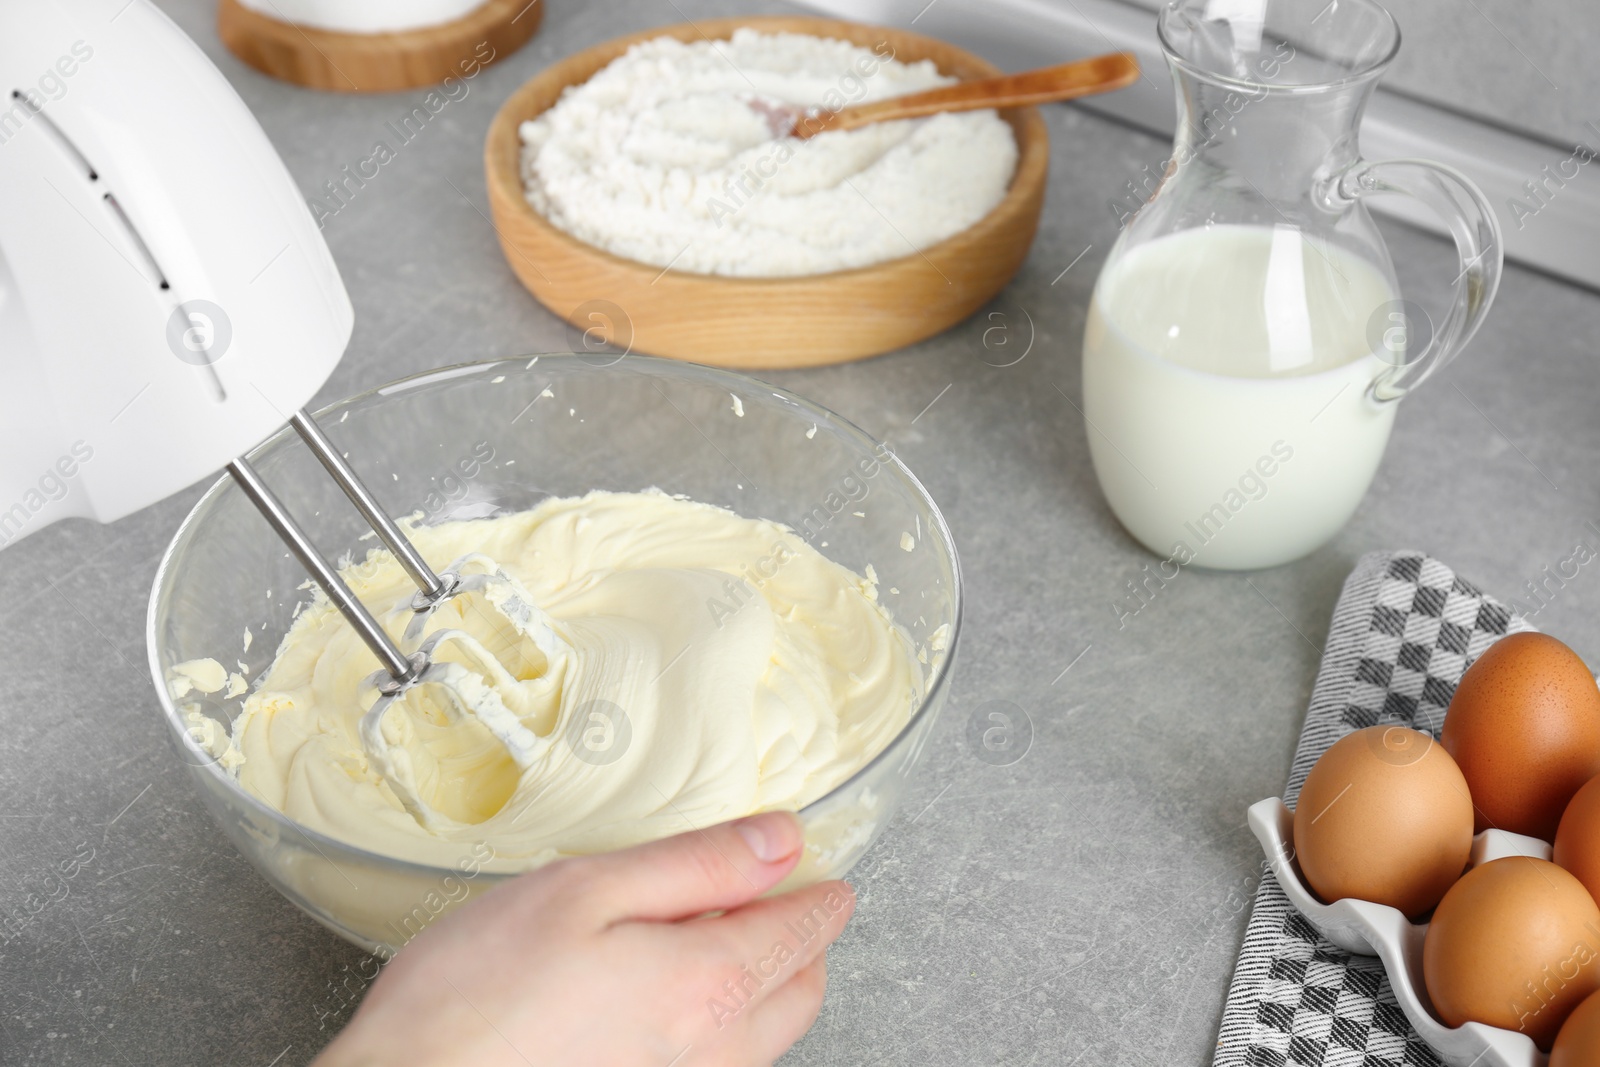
(1403, 632)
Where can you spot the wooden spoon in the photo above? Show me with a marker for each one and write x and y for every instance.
(1086, 77)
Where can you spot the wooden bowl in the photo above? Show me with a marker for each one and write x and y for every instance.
(799, 321)
(378, 62)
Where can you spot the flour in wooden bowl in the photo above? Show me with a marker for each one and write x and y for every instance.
(660, 158)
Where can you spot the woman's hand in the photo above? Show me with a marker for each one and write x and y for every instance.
(607, 961)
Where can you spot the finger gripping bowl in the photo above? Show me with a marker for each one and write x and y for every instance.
(1368, 929)
(481, 439)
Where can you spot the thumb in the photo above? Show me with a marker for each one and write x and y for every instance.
(714, 869)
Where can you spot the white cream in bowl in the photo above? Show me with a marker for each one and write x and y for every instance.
(697, 666)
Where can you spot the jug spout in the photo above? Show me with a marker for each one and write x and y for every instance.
(1270, 94)
(1279, 143)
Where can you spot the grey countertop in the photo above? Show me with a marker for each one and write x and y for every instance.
(1082, 905)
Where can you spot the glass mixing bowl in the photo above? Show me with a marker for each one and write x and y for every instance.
(480, 439)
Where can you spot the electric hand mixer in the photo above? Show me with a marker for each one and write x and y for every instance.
(165, 296)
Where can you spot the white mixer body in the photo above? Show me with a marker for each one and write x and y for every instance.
(166, 299)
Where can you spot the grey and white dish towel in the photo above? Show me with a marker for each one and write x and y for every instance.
(1404, 630)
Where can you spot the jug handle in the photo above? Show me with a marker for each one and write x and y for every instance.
(1476, 230)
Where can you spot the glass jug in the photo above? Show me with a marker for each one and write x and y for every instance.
(1246, 343)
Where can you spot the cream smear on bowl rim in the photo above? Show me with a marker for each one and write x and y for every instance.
(660, 158)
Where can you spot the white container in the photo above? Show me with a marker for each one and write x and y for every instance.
(364, 16)
(1369, 929)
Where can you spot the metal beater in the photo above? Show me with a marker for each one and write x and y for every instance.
(471, 574)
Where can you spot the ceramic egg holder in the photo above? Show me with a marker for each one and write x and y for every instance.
(1369, 929)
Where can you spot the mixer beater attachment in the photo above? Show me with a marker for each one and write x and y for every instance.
(473, 691)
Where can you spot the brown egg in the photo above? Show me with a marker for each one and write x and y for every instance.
(1578, 839)
(1514, 944)
(1578, 1044)
(1524, 727)
(1384, 816)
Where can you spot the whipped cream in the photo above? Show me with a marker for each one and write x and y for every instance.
(638, 665)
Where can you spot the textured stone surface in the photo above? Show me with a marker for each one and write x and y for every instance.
(1083, 905)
